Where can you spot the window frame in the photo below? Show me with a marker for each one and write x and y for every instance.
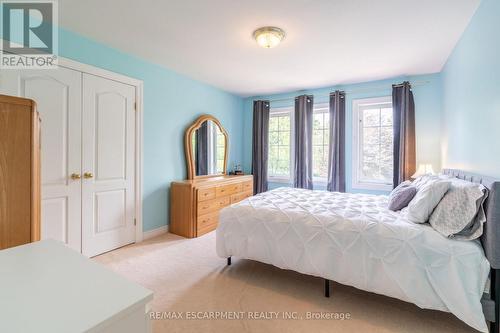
(280, 111)
(357, 146)
(324, 107)
(321, 108)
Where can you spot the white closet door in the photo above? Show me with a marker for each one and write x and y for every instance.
(57, 93)
(108, 190)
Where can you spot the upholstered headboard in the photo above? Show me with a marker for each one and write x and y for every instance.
(491, 235)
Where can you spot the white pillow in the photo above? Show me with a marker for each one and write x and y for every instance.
(426, 199)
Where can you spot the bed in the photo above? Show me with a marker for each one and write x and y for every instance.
(355, 240)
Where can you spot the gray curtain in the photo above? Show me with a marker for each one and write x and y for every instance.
(303, 142)
(403, 107)
(336, 155)
(201, 154)
(260, 142)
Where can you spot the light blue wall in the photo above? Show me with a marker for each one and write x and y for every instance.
(471, 96)
(171, 102)
(428, 117)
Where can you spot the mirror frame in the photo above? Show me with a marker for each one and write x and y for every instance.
(188, 148)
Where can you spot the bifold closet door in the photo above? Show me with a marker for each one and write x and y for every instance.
(108, 165)
(57, 93)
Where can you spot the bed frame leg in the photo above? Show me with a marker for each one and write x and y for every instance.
(327, 288)
(495, 296)
(229, 261)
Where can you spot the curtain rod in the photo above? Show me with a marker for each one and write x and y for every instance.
(354, 91)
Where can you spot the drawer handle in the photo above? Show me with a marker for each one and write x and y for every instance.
(222, 190)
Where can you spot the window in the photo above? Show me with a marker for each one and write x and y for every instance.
(372, 144)
(280, 148)
(281, 144)
(321, 140)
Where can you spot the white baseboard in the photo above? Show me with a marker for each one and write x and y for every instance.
(155, 232)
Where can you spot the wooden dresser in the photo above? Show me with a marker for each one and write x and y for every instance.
(195, 204)
(19, 172)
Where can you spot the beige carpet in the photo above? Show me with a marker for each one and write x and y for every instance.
(187, 276)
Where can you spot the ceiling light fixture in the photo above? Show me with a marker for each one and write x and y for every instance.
(268, 37)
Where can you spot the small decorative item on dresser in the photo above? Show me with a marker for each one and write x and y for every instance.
(237, 170)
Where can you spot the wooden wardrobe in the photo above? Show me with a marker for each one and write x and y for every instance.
(19, 172)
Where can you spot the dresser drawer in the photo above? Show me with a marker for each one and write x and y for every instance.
(248, 186)
(240, 196)
(207, 222)
(206, 194)
(213, 205)
(228, 189)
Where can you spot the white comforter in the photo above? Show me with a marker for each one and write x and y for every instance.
(355, 240)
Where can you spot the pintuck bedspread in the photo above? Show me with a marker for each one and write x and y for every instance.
(355, 240)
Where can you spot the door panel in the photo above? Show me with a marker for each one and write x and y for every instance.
(108, 194)
(54, 94)
(57, 93)
(109, 207)
(111, 125)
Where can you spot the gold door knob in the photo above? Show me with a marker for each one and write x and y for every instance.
(88, 175)
(75, 176)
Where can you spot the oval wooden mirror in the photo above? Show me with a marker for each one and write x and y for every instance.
(206, 144)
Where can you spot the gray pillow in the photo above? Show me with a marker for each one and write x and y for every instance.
(460, 214)
(401, 196)
(406, 183)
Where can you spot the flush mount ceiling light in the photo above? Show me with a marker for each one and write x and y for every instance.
(268, 37)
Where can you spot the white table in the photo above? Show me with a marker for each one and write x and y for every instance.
(46, 287)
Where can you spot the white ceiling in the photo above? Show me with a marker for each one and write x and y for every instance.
(328, 41)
